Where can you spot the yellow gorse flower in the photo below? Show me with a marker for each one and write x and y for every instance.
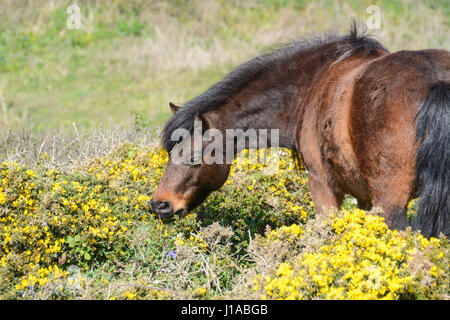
(50, 219)
(365, 260)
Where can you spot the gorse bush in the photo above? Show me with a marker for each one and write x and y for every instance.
(87, 232)
(362, 259)
(265, 198)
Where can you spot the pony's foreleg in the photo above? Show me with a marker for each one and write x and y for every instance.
(364, 204)
(325, 195)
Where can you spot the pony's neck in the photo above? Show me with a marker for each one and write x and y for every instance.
(274, 100)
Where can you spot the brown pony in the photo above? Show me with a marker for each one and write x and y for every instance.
(366, 122)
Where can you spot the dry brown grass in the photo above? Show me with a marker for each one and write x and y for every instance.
(56, 149)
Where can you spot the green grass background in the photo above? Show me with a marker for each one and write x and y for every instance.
(133, 57)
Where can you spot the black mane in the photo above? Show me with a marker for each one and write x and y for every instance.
(237, 79)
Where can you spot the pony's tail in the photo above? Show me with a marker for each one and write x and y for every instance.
(433, 162)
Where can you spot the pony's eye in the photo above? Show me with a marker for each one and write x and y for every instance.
(195, 162)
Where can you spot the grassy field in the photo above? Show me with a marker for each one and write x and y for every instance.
(80, 111)
(133, 57)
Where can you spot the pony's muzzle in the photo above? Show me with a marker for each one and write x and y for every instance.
(163, 209)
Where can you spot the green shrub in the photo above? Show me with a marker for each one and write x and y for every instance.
(88, 232)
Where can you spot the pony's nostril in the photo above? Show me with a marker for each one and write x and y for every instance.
(163, 205)
(163, 208)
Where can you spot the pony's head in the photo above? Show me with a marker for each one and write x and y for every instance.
(191, 174)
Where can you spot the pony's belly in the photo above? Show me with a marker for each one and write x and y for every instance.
(342, 164)
(337, 148)
(347, 174)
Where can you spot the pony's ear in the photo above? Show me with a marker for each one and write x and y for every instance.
(174, 107)
(207, 124)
